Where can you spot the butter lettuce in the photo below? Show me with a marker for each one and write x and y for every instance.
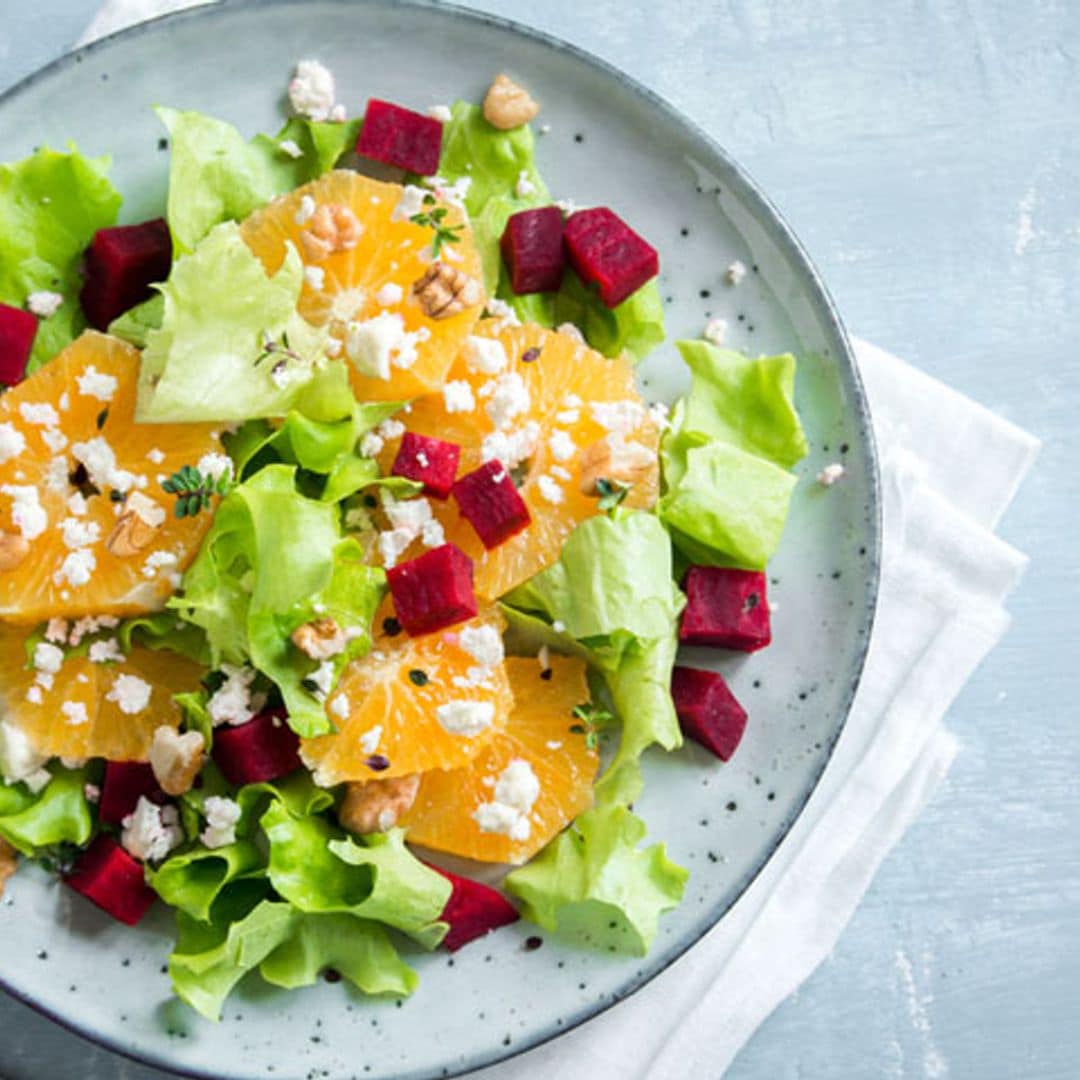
(58, 814)
(193, 880)
(595, 882)
(135, 325)
(207, 362)
(51, 204)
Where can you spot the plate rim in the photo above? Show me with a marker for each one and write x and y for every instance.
(781, 233)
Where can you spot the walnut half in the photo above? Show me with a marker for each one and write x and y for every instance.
(507, 105)
(321, 639)
(134, 531)
(332, 228)
(176, 759)
(376, 805)
(445, 291)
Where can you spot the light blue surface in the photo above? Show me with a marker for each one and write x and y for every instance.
(928, 157)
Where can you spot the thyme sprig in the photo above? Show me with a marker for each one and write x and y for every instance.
(281, 349)
(591, 720)
(435, 219)
(194, 490)
(611, 492)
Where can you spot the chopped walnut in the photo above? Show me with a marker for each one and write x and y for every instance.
(508, 105)
(176, 759)
(9, 862)
(445, 291)
(321, 639)
(332, 228)
(624, 462)
(135, 529)
(376, 805)
(13, 549)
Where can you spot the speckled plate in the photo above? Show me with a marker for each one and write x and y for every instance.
(610, 141)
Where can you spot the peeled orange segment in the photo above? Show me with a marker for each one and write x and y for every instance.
(410, 705)
(80, 408)
(375, 277)
(450, 806)
(108, 710)
(575, 399)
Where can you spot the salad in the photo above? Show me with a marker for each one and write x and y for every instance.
(336, 538)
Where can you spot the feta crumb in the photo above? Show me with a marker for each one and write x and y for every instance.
(509, 397)
(500, 309)
(65, 401)
(155, 456)
(91, 624)
(56, 631)
(441, 113)
(315, 276)
(92, 793)
(568, 416)
(222, 816)
(560, 473)
(659, 413)
(338, 115)
(369, 741)
(19, 761)
(550, 490)
(618, 417)
(231, 702)
(715, 331)
(483, 643)
(152, 831)
(12, 442)
(312, 90)
(516, 792)
(75, 712)
(511, 448)
(100, 461)
(391, 429)
(735, 273)
(486, 355)
(389, 294)
(458, 397)
(130, 693)
(96, 384)
(306, 210)
(567, 206)
(54, 439)
(77, 568)
(432, 534)
(102, 652)
(830, 474)
(76, 504)
(44, 304)
(215, 466)
(340, 706)
(562, 446)
(378, 342)
(156, 561)
(554, 744)
(410, 204)
(467, 718)
(48, 658)
(323, 678)
(290, 147)
(568, 329)
(371, 444)
(524, 186)
(77, 533)
(393, 543)
(40, 413)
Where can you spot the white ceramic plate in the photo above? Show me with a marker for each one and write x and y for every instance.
(611, 142)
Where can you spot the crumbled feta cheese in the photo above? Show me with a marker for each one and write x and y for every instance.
(467, 718)
(500, 309)
(44, 304)
(371, 444)
(441, 113)
(91, 624)
(562, 447)
(155, 455)
(486, 355)
(393, 543)
(27, 513)
(130, 693)
(369, 741)
(338, 115)
(323, 678)
(77, 568)
(56, 476)
(65, 401)
(340, 707)
(422, 459)
(54, 439)
(377, 342)
(77, 533)
(715, 331)
(432, 534)
(572, 401)
(312, 91)
(391, 429)
(550, 490)
(389, 294)
(34, 695)
(516, 791)
(100, 461)
(410, 204)
(42, 414)
(96, 384)
(619, 417)
(458, 397)
(567, 206)
(408, 513)
(568, 329)
(222, 816)
(75, 713)
(157, 561)
(830, 474)
(509, 397)
(306, 211)
(659, 414)
(215, 466)
(231, 702)
(12, 442)
(48, 658)
(735, 273)
(511, 448)
(102, 652)
(19, 761)
(315, 276)
(483, 643)
(152, 831)
(524, 186)
(92, 793)
(56, 631)
(290, 147)
(560, 473)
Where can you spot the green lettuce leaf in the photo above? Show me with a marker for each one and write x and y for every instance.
(193, 880)
(58, 814)
(51, 204)
(207, 361)
(163, 630)
(135, 325)
(216, 175)
(594, 882)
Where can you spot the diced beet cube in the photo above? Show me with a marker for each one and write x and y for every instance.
(605, 251)
(473, 910)
(490, 503)
(431, 462)
(125, 783)
(18, 329)
(401, 137)
(264, 748)
(707, 709)
(434, 590)
(110, 878)
(532, 246)
(120, 266)
(725, 608)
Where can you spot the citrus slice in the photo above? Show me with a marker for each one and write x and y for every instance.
(410, 705)
(87, 709)
(373, 277)
(566, 404)
(538, 764)
(70, 452)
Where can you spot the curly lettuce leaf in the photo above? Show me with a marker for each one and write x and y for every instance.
(216, 175)
(595, 882)
(635, 327)
(193, 880)
(135, 325)
(163, 630)
(58, 814)
(207, 361)
(51, 204)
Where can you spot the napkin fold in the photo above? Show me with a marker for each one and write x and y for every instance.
(949, 470)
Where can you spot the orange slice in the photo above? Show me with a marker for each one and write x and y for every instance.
(410, 705)
(454, 809)
(81, 406)
(375, 277)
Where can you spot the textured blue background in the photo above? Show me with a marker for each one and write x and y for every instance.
(928, 154)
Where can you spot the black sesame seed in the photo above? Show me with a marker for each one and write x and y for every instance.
(579, 138)
(418, 677)
(377, 763)
(391, 627)
(704, 294)
(684, 231)
(546, 674)
(731, 807)
(533, 943)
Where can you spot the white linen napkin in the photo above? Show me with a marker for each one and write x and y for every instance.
(949, 469)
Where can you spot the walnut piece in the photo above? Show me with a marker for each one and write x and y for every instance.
(9, 862)
(135, 528)
(608, 459)
(507, 105)
(377, 805)
(332, 228)
(13, 549)
(444, 291)
(176, 759)
(320, 639)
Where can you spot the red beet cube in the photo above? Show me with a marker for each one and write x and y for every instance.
(532, 246)
(18, 329)
(125, 783)
(431, 462)
(725, 608)
(490, 503)
(434, 590)
(262, 749)
(110, 878)
(473, 910)
(605, 251)
(120, 266)
(401, 137)
(707, 709)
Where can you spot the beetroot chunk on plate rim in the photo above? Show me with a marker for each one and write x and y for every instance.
(121, 264)
(725, 608)
(434, 590)
(491, 504)
(607, 253)
(532, 248)
(124, 784)
(431, 462)
(111, 879)
(18, 329)
(708, 711)
(398, 136)
(473, 910)
(264, 748)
